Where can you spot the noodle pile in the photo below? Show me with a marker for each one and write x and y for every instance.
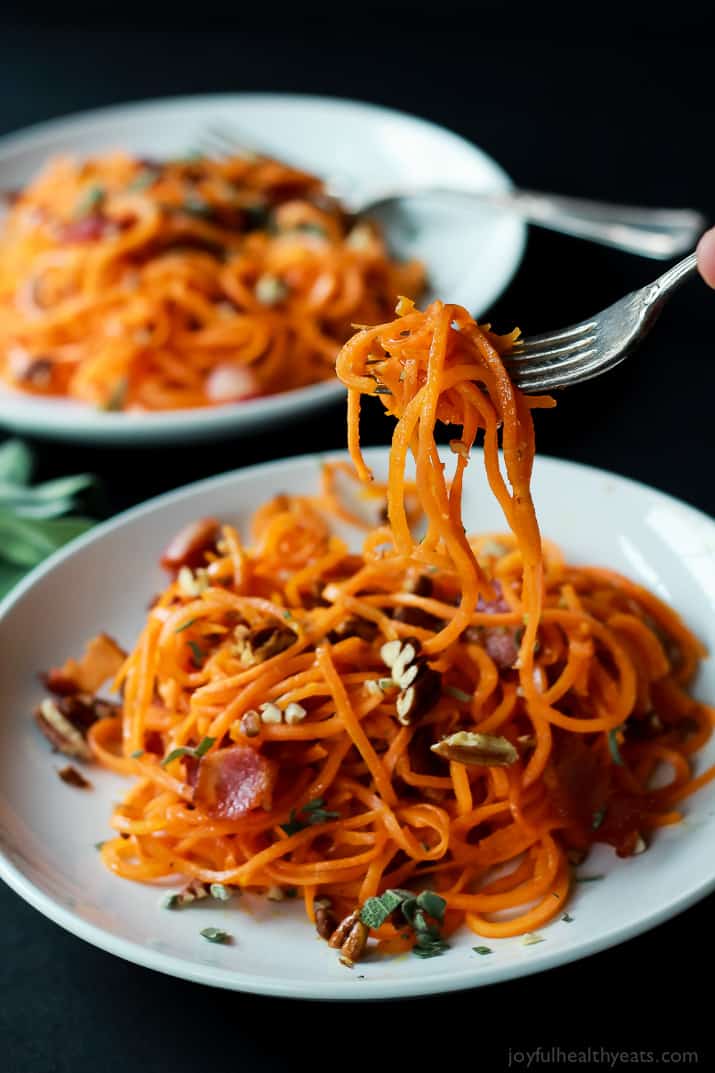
(132, 284)
(544, 696)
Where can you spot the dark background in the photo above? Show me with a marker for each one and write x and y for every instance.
(619, 107)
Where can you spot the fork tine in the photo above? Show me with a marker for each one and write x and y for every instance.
(523, 346)
(530, 381)
(534, 352)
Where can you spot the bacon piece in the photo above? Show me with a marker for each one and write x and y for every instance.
(233, 781)
(88, 229)
(502, 646)
(100, 661)
(189, 546)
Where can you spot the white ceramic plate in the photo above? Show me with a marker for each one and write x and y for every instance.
(48, 830)
(470, 257)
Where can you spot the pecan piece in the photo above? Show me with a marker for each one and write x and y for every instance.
(73, 777)
(486, 750)
(350, 937)
(342, 931)
(325, 922)
(263, 643)
(420, 695)
(60, 732)
(354, 626)
(416, 616)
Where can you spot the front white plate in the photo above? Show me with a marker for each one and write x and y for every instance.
(103, 581)
(470, 255)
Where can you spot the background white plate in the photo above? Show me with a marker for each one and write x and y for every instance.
(48, 830)
(470, 256)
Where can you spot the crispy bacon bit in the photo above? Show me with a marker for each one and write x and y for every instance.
(73, 777)
(88, 229)
(101, 660)
(231, 782)
(189, 546)
(501, 645)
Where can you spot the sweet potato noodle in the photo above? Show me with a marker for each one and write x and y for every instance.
(143, 285)
(464, 714)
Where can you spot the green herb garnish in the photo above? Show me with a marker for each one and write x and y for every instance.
(613, 746)
(136, 754)
(90, 200)
(567, 918)
(185, 625)
(196, 206)
(598, 818)
(313, 812)
(482, 950)
(142, 181)
(413, 907)
(184, 750)
(197, 654)
(458, 694)
(215, 935)
(220, 892)
(588, 879)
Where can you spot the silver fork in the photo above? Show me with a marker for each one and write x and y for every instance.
(658, 233)
(570, 355)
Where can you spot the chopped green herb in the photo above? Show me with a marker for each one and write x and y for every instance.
(220, 892)
(170, 901)
(287, 614)
(204, 746)
(197, 654)
(311, 229)
(185, 625)
(598, 818)
(313, 811)
(588, 879)
(215, 935)
(433, 904)
(196, 206)
(482, 950)
(136, 754)
(613, 746)
(377, 910)
(90, 200)
(567, 918)
(142, 181)
(98, 845)
(458, 694)
(290, 892)
(184, 750)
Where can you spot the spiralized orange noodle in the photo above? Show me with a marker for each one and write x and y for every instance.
(460, 714)
(144, 285)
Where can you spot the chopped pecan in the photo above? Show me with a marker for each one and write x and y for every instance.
(343, 929)
(73, 777)
(325, 922)
(354, 626)
(486, 750)
(350, 937)
(420, 695)
(60, 732)
(263, 643)
(189, 546)
(416, 616)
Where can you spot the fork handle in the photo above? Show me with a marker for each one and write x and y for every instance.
(658, 233)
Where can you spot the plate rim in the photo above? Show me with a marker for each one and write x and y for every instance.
(164, 427)
(337, 990)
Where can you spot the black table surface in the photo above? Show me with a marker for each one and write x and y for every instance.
(628, 123)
